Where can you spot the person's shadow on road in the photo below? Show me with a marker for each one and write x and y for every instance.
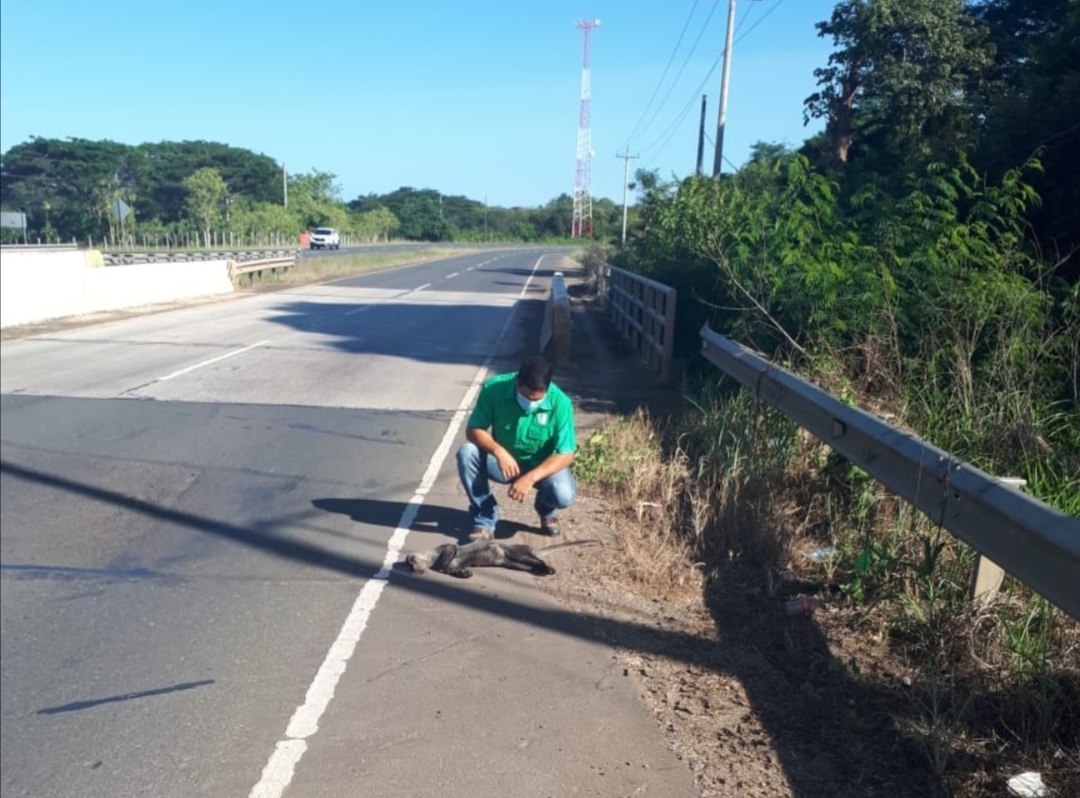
(391, 514)
(430, 518)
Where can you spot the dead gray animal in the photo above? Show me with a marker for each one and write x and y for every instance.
(455, 560)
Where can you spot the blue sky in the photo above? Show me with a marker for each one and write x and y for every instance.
(467, 97)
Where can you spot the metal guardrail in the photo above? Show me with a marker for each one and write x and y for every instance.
(257, 267)
(130, 258)
(1037, 544)
(644, 312)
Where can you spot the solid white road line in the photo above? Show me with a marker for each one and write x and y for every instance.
(212, 360)
(421, 288)
(279, 770)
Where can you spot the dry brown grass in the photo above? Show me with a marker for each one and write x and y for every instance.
(625, 460)
(687, 499)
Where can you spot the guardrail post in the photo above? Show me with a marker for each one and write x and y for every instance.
(669, 335)
(988, 574)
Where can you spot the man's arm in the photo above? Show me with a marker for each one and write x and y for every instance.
(523, 485)
(486, 442)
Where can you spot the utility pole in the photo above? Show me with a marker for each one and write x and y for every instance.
(627, 157)
(701, 139)
(285, 184)
(721, 118)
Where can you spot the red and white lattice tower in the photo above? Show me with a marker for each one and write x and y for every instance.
(582, 222)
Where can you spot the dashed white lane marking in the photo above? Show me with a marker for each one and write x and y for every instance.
(279, 770)
(452, 276)
(211, 361)
(421, 288)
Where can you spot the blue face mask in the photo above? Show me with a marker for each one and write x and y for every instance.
(526, 404)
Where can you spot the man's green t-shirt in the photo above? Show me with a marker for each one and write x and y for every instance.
(531, 436)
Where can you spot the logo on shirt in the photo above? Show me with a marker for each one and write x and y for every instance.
(542, 418)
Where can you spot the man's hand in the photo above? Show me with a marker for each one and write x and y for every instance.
(508, 466)
(484, 440)
(521, 487)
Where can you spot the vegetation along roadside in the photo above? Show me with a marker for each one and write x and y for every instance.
(917, 259)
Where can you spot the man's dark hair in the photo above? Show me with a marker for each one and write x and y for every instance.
(534, 374)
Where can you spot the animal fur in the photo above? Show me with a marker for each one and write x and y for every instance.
(457, 560)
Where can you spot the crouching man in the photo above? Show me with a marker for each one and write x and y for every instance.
(521, 434)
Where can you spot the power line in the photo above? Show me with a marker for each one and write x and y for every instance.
(1059, 134)
(689, 55)
(764, 16)
(670, 130)
(749, 13)
(667, 66)
(713, 144)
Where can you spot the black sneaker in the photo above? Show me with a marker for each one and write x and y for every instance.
(550, 526)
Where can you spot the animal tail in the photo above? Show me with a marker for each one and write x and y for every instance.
(567, 545)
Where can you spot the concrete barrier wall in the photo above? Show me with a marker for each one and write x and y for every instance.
(556, 327)
(38, 286)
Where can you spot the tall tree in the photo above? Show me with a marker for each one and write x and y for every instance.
(206, 198)
(422, 219)
(1037, 110)
(79, 179)
(261, 221)
(248, 174)
(905, 75)
(554, 218)
(378, 223)
(315, 199)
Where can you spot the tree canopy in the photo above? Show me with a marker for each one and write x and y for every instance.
(208, 189)
(914, 82)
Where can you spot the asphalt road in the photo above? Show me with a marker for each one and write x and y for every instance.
(407, 246)
(199, 509)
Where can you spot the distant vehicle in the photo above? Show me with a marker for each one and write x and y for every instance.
(325, 238)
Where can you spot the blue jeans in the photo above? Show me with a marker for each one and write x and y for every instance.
(477, 468)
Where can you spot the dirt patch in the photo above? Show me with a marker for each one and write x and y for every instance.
(754, 701)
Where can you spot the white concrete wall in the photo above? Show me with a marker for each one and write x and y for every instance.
(38, 286)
